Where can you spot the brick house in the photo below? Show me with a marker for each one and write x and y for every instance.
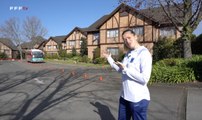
(53, 44)
(33, 44)
(7, 47)
(93, 36)
(74, 39)
(42, 45)
(106, 32)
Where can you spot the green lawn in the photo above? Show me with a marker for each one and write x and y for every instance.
(72, 62)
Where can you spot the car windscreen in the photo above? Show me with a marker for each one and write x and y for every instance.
(37, 54)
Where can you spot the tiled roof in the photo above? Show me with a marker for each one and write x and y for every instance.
(42, 44)
(95, 26)
(157, 14)
(35, 40)
(8, 43)
(58, 39)
(103, 19)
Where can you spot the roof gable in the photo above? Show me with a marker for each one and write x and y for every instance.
(50, 40)
(57, 39)
(95, 26)
(81, 30)
(34, 41)
(42, 43)
(124, 7)
(146, 13)
(8, 43)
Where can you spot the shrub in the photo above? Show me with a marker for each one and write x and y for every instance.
(100, 61)
(77, 58)
(177, 70)
(196, 64)
(51, 56)
(3, 55)
(172, 74)
(84, 48)
(196, 45)
(170, 62)
(69, 55)
(85, 59)
(62, 53)
(166, 48)
(96, 53)
(74, 52)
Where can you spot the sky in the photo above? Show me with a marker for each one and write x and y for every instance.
(60, 17)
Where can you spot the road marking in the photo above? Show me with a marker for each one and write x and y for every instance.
(39, 81)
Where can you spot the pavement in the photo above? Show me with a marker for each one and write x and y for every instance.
(175, 102)
(194, 106)
(167, 103)
(60, 92)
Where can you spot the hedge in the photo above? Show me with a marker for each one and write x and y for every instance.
(177, 70)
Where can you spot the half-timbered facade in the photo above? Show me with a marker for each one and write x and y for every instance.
(74, 39)
(7, 47)
(34, 43)
(106, 32)
(53, 44)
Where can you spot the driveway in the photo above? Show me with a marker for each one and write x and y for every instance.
(49, 91)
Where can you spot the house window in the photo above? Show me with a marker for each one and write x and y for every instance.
(49, 46)
(80, 42)
(167, 31)
(6, 51)
(72, 43)
(54, 46)
(64, 46)
(95, 38)
(138, 30)
(112, 33)
(114, 52)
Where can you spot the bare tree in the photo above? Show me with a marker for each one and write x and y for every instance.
(187, 14)
(11, 30)
(32, 27)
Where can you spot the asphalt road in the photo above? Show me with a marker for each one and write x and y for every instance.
(56, 92)
(48, 91)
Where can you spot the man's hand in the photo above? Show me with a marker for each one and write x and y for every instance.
(106, 54)
(119, 64)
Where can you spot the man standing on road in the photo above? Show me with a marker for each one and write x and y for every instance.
(136, 70)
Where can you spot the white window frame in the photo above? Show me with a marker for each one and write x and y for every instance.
(96, 38)
(80, 42)
(49, 47)
(138, 30)
(167, 31)
(72, 43)
(113, 33)
(7, 51)
(113, 50)
(54, 46)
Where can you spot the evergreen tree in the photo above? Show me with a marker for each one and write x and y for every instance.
(84, 49)
(74, 53)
